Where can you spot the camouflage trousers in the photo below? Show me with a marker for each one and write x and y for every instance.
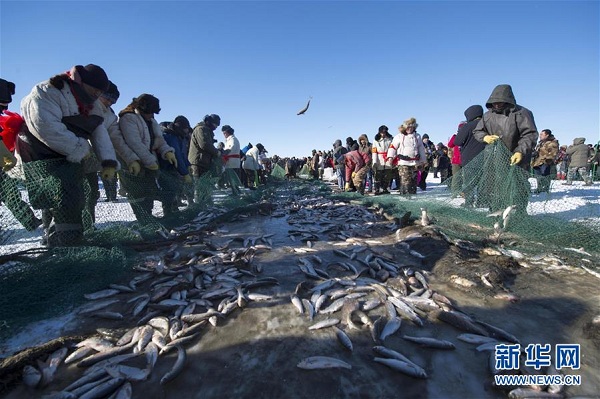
(408, 179)
(583, 172)
(359, 179)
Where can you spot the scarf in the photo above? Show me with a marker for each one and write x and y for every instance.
(85, 102)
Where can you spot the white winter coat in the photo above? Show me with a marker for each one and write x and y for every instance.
(232, 158)
(137, 136)
(43, 109)
(251, 162)
(409, 145)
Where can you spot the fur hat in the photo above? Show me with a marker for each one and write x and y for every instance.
(382, 128)
(363, 137)
(182, 122)
(93, 75)
(148, 104)
(228, 129)
(408, 123)
(112, 93)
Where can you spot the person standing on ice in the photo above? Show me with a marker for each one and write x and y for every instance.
(513, 125)
(407, 147)
(63, 123)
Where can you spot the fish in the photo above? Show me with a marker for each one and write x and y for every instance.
(390, 353)
(425, 221)
(78, 354)
(343, 338)
(390, 327)
(297, 302)
(410, 369)
(103, 389)
(102, 294)
(177, 367)
(48, 368)
(127, 372)
(324, 324)
(430, 342)
(475, 339)
(322, 362)
(95, 306)
(310, 309)
(460, 321)
(303, 110)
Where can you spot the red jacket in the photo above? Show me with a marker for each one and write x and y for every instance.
(455, 151)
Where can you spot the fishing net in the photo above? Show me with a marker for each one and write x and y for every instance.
(36, 285)
(278, 172)
(54, 281)
(491, 202)
(149, 208)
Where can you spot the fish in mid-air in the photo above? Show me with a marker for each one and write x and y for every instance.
(303, 110)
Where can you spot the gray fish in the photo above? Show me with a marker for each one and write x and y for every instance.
(91, 360)
(79, 353)
(430, 342)
(390, 327)
(498, 332)
(390, 353)
(405, 311)
(460, 321)
(343, 338)
(324, 323)
(103, 389)
(475, 339)
(48, 368)
(310, 309)
(297, 302)
(90, 385)
(177, 367)
(102, 294)
(127, 372)
(95, 306)
(92, 375)
(410, 369)
(322, 362)
(334, 307)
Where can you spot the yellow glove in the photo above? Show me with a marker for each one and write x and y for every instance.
(134, 168)
(170, 156)
(7, 158)
(491, 138)
(347, 187)
(154, 166)
(516, 158)
(374, 150)
(108, 173)
(353, 175)
(187, 179)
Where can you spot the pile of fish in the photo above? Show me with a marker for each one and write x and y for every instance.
(175, 298)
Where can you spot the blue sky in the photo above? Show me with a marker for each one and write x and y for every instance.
(363, 63)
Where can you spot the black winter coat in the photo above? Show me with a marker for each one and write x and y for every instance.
(469, 146)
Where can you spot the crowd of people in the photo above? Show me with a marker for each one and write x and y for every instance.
(67, 138)
(404, 161)
(67, 124)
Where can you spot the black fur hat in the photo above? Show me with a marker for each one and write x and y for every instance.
(148, 104)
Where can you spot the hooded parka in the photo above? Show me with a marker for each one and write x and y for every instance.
(514, 125)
